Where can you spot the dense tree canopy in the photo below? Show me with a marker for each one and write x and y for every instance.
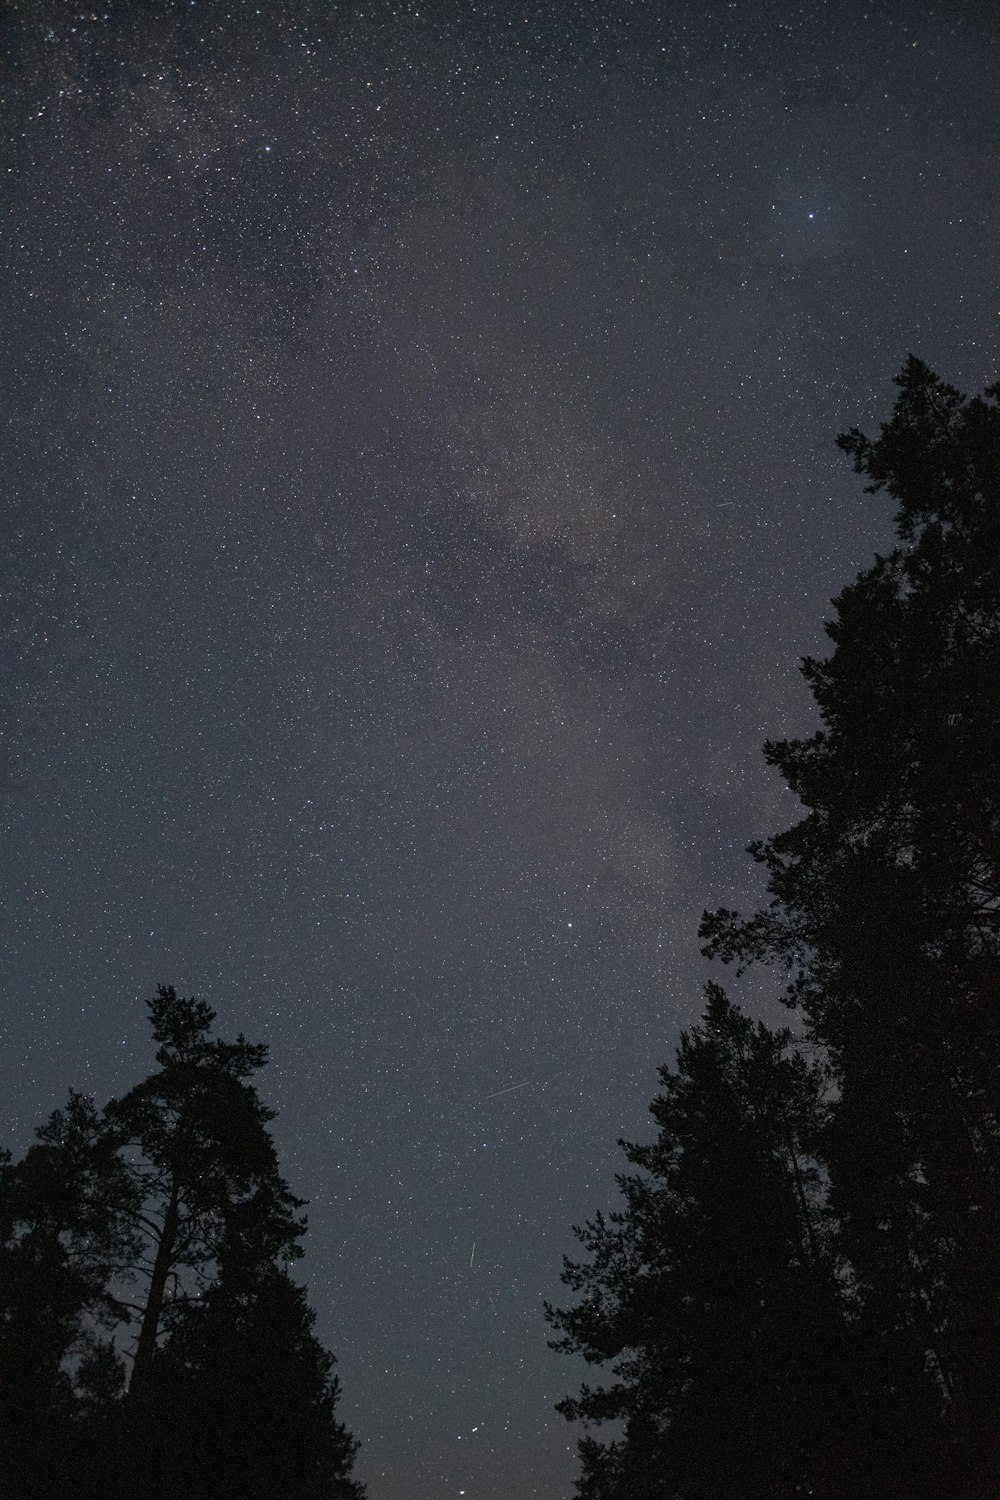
(151, 1338)
(243, 1396)
(196, 1140)
(64, 1238)
(886, 905)
(715, 1288)
(884, 914)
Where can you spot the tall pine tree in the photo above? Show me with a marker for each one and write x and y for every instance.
(195, 1136)
(885, 906)
(825, 1320)
(714, 1290)
(144, 1255)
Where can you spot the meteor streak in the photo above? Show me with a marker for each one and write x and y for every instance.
(510, 1090)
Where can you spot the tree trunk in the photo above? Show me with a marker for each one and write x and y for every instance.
(157, 1288)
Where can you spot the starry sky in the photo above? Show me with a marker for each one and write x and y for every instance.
(418, 489)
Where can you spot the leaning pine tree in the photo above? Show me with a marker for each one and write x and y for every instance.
(884, 912)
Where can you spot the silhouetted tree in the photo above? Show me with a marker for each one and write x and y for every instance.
(64, 1238)
(160, 1218)
(195, 1136)
(885, 911)
(714, 1290)
(245, 1398)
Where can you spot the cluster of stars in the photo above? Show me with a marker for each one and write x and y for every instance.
(421, 490)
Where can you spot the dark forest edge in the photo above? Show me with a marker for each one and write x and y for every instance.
(152, 1339)
(799, 1295)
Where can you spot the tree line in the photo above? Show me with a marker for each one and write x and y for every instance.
(799, 1293)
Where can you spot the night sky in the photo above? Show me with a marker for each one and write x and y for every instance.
(419, 487)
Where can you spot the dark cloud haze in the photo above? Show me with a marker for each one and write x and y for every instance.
(419, 486)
